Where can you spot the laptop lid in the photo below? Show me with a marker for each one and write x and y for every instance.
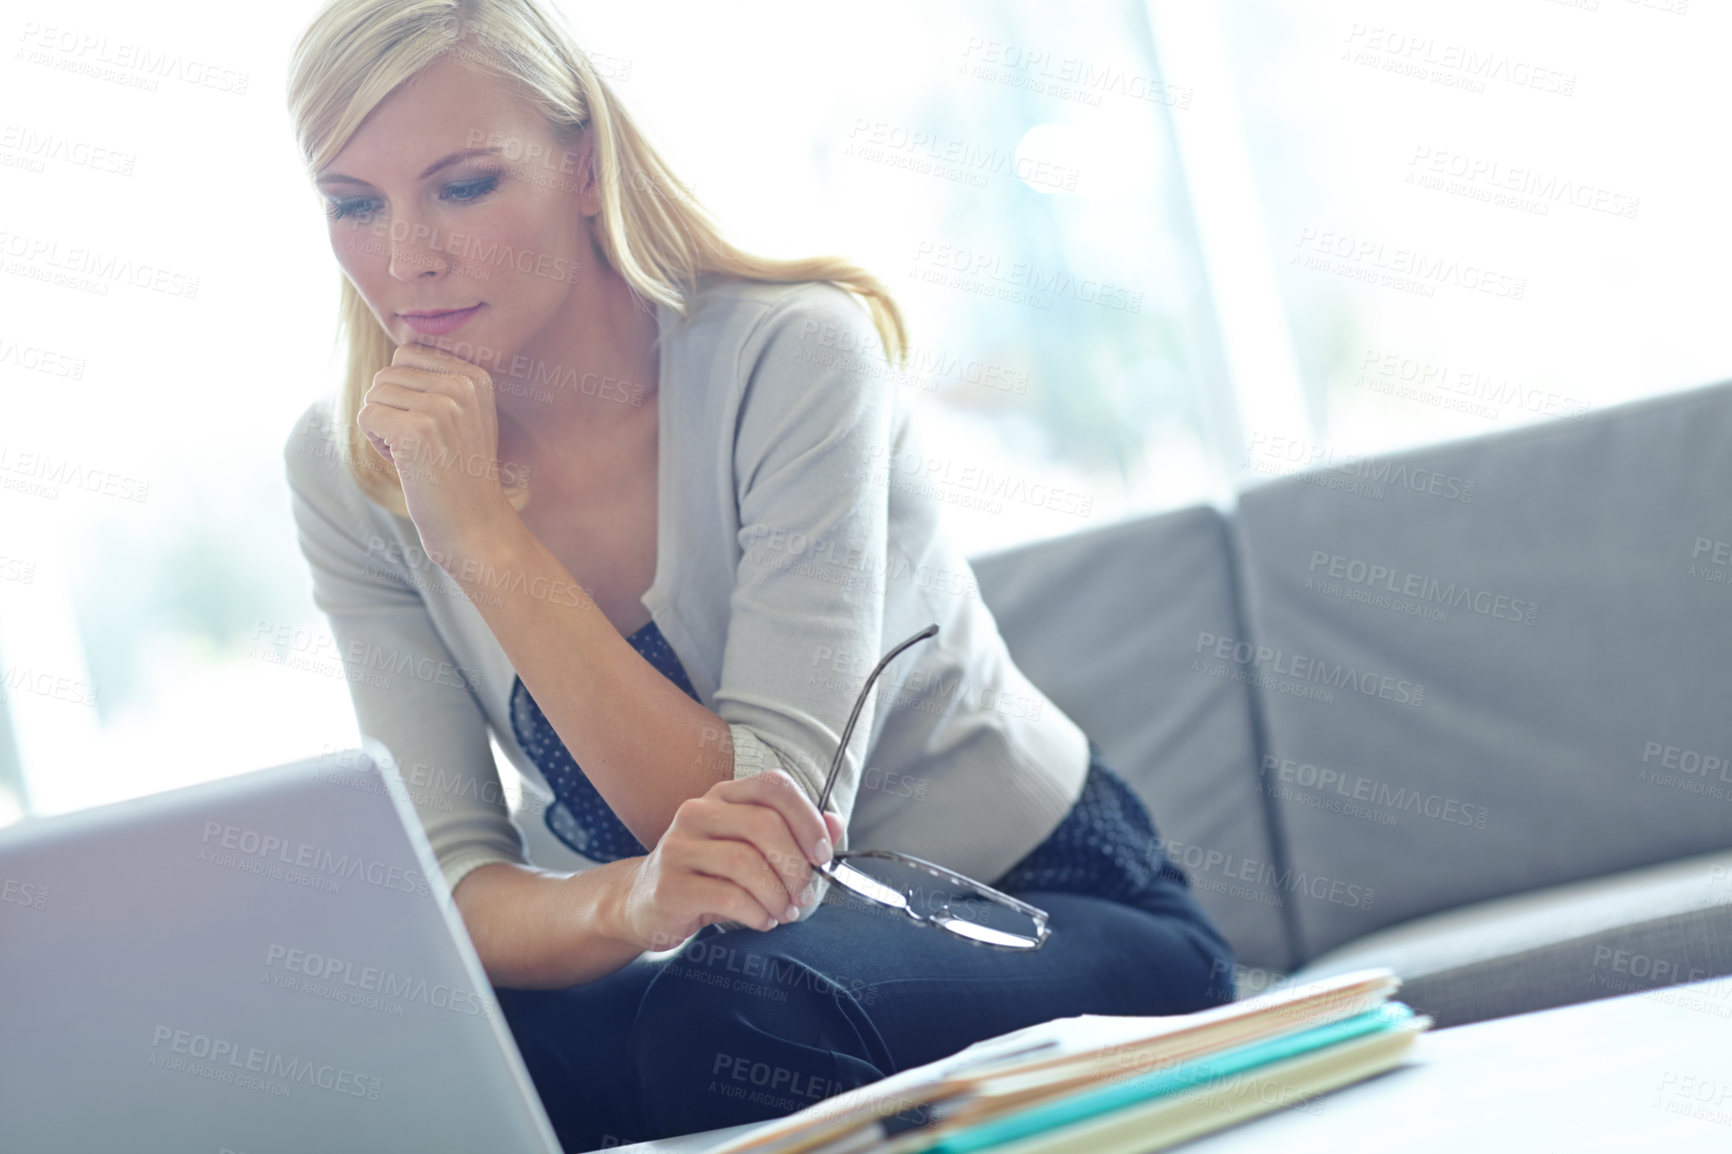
(266, 964)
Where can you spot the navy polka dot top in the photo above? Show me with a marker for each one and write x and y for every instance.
(578, 816)
(1106, 845)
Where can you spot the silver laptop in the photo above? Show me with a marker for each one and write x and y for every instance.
(267, 964)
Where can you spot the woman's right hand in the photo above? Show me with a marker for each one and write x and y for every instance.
(742, 852)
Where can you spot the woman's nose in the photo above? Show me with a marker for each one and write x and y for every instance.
(415, 250)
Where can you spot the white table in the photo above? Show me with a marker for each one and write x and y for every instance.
(1630, 1074)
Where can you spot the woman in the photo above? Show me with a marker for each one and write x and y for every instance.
(617, 494)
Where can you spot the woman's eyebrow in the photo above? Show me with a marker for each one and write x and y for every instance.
(465, 154)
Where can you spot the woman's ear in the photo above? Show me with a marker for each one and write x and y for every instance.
(580, 152)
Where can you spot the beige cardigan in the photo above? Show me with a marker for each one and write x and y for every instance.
(795, 546)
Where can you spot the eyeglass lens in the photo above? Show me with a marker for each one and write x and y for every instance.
(961, 908)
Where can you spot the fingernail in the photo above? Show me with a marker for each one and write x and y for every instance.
(822, 850)
(793, 914)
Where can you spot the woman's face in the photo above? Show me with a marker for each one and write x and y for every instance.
(452, 197)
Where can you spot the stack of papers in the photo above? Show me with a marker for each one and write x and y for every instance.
(1111, 1084)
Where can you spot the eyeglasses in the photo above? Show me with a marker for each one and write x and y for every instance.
(929, 894)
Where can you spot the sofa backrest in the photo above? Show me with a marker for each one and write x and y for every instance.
(1105, 621)
(1495, 664)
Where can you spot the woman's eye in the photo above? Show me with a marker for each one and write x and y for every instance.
(466, 190)
(356, 207)
(461, 192)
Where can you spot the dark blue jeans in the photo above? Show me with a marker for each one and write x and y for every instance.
(742, 1026)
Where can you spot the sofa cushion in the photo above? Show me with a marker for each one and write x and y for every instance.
(1100, 621)
(1640, 930)
(1494, 664)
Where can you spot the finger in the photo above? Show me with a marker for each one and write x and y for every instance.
(431, 416)
(775, 789)
(719, 900)
(407, 419)
(426, 382)
(385, 425)
(380, 446)
(741, 865)
(397, 394)
(765, 830)
(762, 831)
(436, 360)
(736, 905)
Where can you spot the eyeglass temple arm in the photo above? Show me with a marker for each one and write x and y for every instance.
(859, 703)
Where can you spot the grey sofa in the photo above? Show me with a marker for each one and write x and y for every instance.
(1465, 710)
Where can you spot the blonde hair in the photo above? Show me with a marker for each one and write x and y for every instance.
(649, 229)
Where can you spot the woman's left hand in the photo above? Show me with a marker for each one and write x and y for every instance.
(431, 413)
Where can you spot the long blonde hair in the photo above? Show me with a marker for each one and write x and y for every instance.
(650, 229)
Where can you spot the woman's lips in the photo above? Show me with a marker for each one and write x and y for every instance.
(436, 323)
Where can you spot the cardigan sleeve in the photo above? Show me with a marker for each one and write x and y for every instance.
(407, 689)
(806, 617)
